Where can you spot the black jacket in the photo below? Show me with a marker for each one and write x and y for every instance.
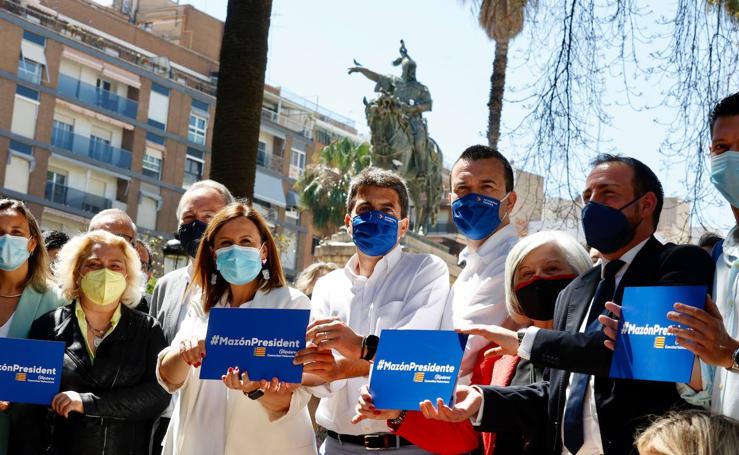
(119, 390)
(623, 405)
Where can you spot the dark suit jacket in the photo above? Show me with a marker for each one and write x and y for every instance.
(623, 405)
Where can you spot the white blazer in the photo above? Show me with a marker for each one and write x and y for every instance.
(210, 418)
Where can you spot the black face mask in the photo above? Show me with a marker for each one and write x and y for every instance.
(189, 236)
(538, 295)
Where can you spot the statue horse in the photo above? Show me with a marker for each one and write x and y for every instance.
(393, 149)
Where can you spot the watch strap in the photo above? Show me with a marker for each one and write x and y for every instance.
(369, 343)
(255, 394)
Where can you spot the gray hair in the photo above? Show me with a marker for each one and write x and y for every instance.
(111, 214)
(373, 176)
(573, 253)
(210, 184)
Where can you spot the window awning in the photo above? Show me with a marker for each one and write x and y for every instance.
(121, 75)
(269, 189)
(83, 59)
(32, 51)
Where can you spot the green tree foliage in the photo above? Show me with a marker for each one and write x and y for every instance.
(324, 185)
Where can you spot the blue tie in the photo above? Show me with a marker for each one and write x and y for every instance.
(573, 431)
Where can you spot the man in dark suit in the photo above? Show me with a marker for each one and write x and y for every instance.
(580, 409)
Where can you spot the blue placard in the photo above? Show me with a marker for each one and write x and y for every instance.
(30, 370)
(415, 365)
(262, 342)
(644, 348)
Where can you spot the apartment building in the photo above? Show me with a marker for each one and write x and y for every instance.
(112, 106)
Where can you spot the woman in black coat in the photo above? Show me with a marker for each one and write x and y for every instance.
(109, 393)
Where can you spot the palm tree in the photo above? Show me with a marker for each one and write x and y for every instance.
(502, 21)
(243, 62)
(731, 7)
(323, 186)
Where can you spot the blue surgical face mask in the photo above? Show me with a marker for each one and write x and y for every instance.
(607, 229)
(476, 215)
(375, 232)
(725, 175)
(238, 264)
(13, 251)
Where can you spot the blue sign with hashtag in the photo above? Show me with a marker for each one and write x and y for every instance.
(415, 365)
(30, 370)
(261, 342)
(644, 347)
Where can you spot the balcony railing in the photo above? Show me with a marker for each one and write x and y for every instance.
(76, 199)
(84, 146)
(105, 45)
(96, 96)
(302, 125)
(29, 72)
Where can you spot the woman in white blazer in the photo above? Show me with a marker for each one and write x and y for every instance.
(237, 266)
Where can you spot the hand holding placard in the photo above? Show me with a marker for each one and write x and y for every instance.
(646, 348)
(30, 370)
(415, 365)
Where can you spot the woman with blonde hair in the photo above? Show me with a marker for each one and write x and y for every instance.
(24, 275)
(109, 392)
(694, 432)
(237, 266)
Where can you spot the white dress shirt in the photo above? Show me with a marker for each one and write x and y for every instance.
(405, 291)
(592, 443)
(725, 396)
(210, 418)
(478, 295)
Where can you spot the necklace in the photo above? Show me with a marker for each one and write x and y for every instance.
(11, 296)
(97, 334)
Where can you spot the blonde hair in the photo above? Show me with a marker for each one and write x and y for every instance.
(308, 277)
(39, 272)
(573, 253)
(693, 432)
(72, 255)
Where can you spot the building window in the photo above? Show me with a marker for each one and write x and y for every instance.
(193, 171)
(29, 70)
(297, 163)
(196, 129)
(56, 184)
(152, 166)
(100, 148)
(61, 135)
(262, 158)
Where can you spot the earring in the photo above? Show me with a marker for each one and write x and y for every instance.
(213, 278)
(265, 273)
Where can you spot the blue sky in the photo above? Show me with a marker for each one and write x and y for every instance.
(313, 42)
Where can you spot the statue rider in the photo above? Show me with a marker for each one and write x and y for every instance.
(414, 99)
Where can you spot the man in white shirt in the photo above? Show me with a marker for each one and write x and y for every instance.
(713, 334)
(381, 287)
(168, 301)
(482, 200)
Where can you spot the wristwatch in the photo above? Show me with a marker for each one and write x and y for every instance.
(255, 394)
(369, 347)
(521, 333)
(734, 368)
